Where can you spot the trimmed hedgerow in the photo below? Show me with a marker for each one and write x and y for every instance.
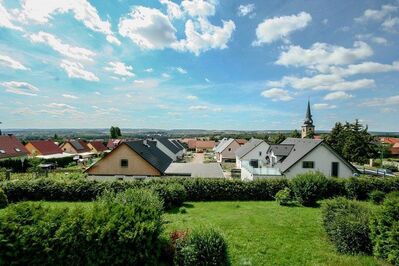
(119, 229)
(201, 247)
(309, 188)
(377, 196)
(347, 225)
(384, 227)
(172, 194)
(3, 199)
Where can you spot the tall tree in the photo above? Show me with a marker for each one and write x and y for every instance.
(115, 132)
(295, 134)
(353, 142)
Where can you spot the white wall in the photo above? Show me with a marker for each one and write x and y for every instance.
(254, 154)
(322, 158)
(246, 175)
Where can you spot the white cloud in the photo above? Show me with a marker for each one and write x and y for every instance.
(119, 68)
(22, 88)
(149, 70)
(145, 84)
(277, 94)
(371, 37)
(6, 19)
(165, 75)
(60, 105)
(12, 63)
(76, 70)
(148, 28)
(375, 14)
(362, 68)
(192, 97)
(379, 40)
(199, 107)
(181, 70)
(198, 8)
(338, 95)
(202, 36)
(390, 24)
(173, 9)
(322, 106)
(393, 100)
(276, 28)
(41, 11)
(69, 96)
(97, 93)
(207, 80)
(324, 54)
(56, 44)
(244, 10)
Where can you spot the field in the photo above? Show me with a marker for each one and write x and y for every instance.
(261, 233)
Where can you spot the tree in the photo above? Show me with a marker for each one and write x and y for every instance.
(353, 142)
(115, 132)
(278, 138)
(295, 134)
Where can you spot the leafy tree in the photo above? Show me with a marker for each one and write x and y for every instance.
(353, 142)
(277, 139)
(295, 134)
(115, 132)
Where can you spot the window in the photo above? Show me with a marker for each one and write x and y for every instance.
(17, 150)
(229, 149)
(260, 154)
(334, 169)
(307, 164)
(253, 163)
(124, 163)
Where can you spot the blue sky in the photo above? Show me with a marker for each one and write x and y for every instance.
(247, 65)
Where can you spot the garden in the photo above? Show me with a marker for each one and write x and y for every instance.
(309, 220)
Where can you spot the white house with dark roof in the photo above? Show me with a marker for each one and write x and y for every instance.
(225, 150)
(254, 152)
(170, 148)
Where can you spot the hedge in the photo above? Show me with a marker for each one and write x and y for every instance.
(3, 199)
(119, 229)
(308, 188)
(19, 165)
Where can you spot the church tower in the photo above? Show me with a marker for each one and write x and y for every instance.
(308, 127)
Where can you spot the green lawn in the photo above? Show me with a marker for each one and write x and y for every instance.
(264, 233)
(260, 232)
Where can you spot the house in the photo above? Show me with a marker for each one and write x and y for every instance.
(42, 148)
(253, 151)
(75, 147)
(97, 146)
(140, 158)
(112, 143)
(225, 151)
(170, 148)
(209, 170)
(296, 156)
(178, 144)
(204, 145)
(241, 141)
(11, 147)
(393, 143)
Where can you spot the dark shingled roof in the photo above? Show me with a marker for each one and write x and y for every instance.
(178, 144)
(281, 149)
(151, 154)
(247, 147)
(168, 144)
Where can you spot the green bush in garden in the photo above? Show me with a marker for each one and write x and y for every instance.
(347, 225)
(172, 194)
(3, 199)
(284, 196)
(377, 196)
(201, 247)
(119, 229)
(309, 188)
(384, 227)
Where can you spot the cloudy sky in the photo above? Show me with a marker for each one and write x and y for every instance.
(215, 64)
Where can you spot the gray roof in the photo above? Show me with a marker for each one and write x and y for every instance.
(168, 144)
(178, 144)
(247, 147)
(223, 144)
(300, 149)
(281, 149)
(151, 153)
(76, 145)
(195, 170)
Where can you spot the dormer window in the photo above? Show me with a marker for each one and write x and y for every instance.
(17, 150)
(2, 151)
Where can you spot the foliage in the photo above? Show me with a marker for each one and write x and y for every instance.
(172, 194)
(278, 138)
(22, 165)
(309, 187)
(353, 142)
(115, 132)
(3, 199)
(347, 225)
(385, 230)
(201, 247)
(360, 187)
(377, 196)
(119, 229)
(284, 197)
(295, 134)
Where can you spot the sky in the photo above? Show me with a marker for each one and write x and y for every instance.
(196, 64)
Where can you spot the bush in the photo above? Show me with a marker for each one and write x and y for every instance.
(3, 199)
(201, 247)
(385, 230)
(119, 229)
(347, 225)
(172, 194)
(360, 187)
(377, 196)
(284, 196)
(309, 187)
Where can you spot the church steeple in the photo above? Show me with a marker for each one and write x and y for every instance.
(308, 127)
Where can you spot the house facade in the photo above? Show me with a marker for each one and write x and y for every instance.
(42, 148)
(75, 147)
(254, 152)
(225, 151)
(97, 147)
(11, 147)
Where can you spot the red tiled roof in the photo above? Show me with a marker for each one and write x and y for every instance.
(389, 140)
(46, 147)
(10, 147)
(98, 145)
(241, 141)
(205, 144)
(192, 144)
(113, 143)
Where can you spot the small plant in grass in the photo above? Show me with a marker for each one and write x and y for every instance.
(183, 210)
(3, 199)
(284, 197)
(308, 188)
(377, 196)
(201, 247)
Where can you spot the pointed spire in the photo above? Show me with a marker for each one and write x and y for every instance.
(308, 117)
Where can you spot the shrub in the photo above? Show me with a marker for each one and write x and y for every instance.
(201, 247)
(385, 230)
(3, 199)
(377, 196)
(119, 229)
(172, 194)
(309, 187)
(284, 196)
(347, 225)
